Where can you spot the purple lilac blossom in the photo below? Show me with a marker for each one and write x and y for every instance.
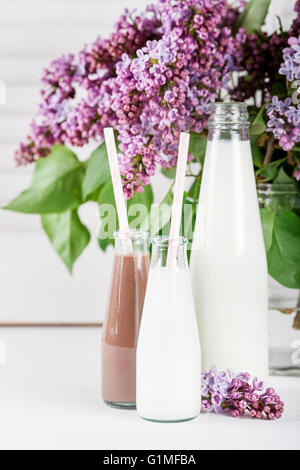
(284, 116)
(284, 122)
(291, 60)
(63, 117)
(175, 78)
(297, 173)
(261, 59)
(226, 392)
(295, 30)
(156, 74)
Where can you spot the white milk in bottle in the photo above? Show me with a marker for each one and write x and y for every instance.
(168, 351)
(228, 261)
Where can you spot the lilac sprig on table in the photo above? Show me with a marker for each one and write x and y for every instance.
(237, 395)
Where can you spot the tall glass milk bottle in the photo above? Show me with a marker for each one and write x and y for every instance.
(228, 261)
(168, 351)
(122, 321)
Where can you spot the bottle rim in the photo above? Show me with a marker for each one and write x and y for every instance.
(229, 114)
(230, 104)
(134, 234)
(164, 240)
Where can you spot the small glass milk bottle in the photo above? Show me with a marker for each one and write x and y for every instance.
(122, 322)
(168, 352)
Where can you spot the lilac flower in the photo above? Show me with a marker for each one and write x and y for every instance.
(261, 59)
(138, 64)
(294, 43)
(226, 392)
(273, 106)
(295, 30)
(156, 75)
(215, 388)
(164, 50)
(291, 65)
(284, 106)
(207, 406)
(242, 376)
(293, 115)
(289, 69)
(284, 122)
(297, 173)
(258, 385)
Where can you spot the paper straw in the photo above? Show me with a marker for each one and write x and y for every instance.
(116, 180)
(178, 197)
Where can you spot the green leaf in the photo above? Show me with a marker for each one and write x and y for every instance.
(269, 171)
(107, 197)
(267, 220)
(194, 190)
(161, 214)
(107, 194)
(284, 254)
(67, 234)
(109, 219)
(145, 199)
(259, 125)
(105, 243)
(257, 154)
(252, 110)
(279, 88)
(198, 147)
(284, 196)
(56, 185)
(169, 172)
(253, 16)
(283, 177)
(97, 171)
(189, 219)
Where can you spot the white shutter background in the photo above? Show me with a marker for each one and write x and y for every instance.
(35, 287)
(34, 284)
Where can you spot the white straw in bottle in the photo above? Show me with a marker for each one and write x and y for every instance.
(178, 197)
(117, 183)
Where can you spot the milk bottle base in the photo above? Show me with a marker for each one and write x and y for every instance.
(169, 420)
(121, 405)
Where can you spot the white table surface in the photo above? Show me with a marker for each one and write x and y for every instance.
(50, 399)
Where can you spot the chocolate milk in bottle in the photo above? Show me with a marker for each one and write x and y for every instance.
(123, 317)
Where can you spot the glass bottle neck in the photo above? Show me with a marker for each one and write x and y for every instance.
(229, 121)
(137, 241)
(219, 132)
(160, 247)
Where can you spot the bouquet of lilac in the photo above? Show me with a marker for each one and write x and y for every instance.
(225, 392)
(156, 75)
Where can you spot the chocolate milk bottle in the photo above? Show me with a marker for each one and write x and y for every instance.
(122, 321)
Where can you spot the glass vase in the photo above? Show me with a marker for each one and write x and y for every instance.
(284, 303)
